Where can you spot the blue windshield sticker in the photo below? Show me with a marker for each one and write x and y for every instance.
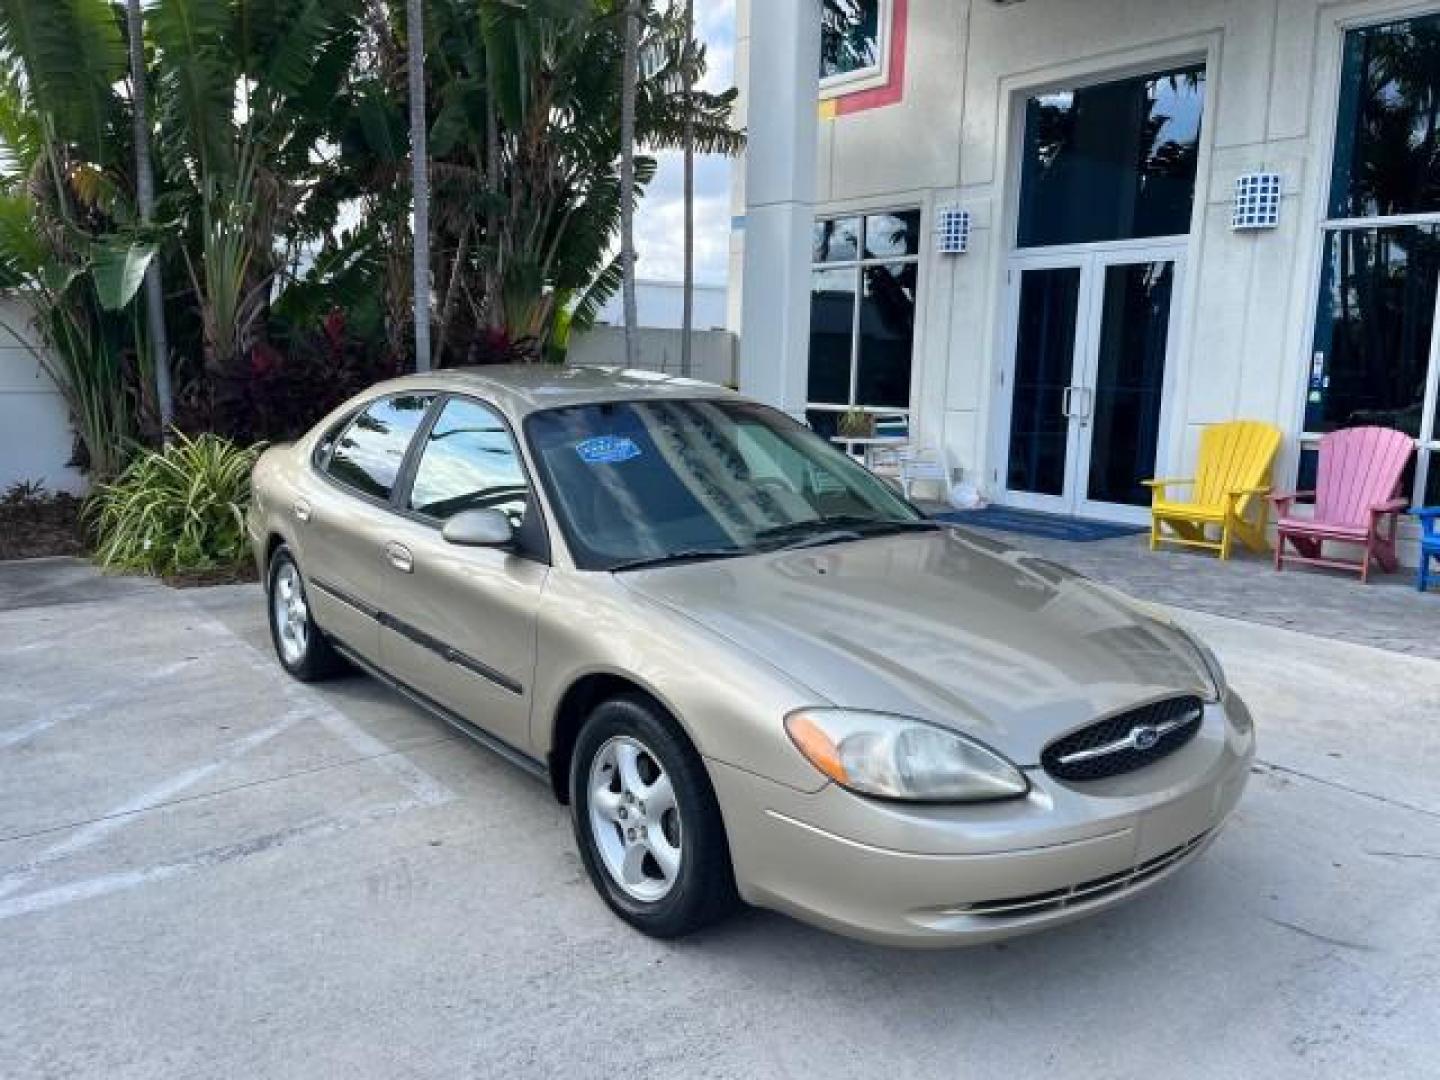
(607, 450)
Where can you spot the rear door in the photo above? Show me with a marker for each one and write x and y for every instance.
(342, 517)
(460, 622)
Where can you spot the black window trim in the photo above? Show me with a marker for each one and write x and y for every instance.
(333, 433)
(425, 421)
(405, 478)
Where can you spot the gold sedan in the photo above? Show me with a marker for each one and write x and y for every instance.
(753, 671)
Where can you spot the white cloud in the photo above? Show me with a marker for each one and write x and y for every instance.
(660, 218)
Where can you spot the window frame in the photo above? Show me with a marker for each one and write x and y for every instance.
(1427, 442)
(1205, 60)
(858, 266)
(874, 75)
(323, 470)
(538, 549)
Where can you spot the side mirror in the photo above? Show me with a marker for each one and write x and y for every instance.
(478, 528)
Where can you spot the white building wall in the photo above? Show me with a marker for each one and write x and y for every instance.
(661, 305)
(35, 437)
(1243, 327)
(1247, 302)
(712, 352)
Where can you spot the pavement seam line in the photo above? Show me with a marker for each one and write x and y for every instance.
(421, 783)
(86, 835)
(201, 796)
(105, 884)
(1337, 786)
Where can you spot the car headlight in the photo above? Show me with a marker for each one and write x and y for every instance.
(897, 757)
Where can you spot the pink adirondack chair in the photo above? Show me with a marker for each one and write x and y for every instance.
(1356, 492)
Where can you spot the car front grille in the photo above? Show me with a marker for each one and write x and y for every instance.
(1125, 742)
(1087, 891)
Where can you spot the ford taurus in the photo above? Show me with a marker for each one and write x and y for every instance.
(753, 671)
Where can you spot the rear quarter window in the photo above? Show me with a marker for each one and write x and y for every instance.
(367, 456)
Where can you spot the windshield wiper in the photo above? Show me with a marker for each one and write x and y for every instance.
(876, 528)
(687, 555)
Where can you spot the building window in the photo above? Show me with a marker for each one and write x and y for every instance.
(854, 45)
(1373, 358)
(862, 315)
(1114, 161)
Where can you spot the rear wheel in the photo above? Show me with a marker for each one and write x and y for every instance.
(301, 648)
(647, 822)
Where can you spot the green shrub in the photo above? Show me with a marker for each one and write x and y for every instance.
(179, 509)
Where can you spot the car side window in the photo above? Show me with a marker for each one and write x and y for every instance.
(368, 456)
(469, 462)
(320, 458)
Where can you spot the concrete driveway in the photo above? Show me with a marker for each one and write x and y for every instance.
(208, 870)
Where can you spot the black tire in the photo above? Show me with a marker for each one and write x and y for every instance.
(703, 890)
(318, 658)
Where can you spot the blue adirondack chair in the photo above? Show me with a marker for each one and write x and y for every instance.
(1429, 543)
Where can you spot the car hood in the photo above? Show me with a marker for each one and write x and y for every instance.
(947, 625)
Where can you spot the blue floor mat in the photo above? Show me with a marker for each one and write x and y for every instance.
(1035, 523)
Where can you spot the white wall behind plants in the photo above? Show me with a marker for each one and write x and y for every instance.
(661, 304)
(35, 436)
(713, 352)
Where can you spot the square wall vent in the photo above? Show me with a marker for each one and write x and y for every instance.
(1257, 201)
(952, 230)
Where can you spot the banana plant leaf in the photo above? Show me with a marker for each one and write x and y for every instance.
(119, 269)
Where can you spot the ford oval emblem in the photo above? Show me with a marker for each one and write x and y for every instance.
(1144, 737)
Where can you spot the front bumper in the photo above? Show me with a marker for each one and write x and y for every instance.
(914, 875)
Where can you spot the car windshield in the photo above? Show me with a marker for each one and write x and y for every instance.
(639, 483)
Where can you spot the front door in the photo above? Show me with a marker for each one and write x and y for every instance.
(1084, 388)
(462, 620)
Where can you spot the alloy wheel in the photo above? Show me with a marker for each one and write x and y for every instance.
(634, 819)
(292, 616)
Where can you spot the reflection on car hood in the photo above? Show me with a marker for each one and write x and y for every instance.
(946, 625)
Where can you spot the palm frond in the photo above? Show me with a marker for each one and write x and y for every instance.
(69, 54)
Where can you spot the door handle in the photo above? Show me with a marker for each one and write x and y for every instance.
(302, 510)
(400, 557)
(1065, 396)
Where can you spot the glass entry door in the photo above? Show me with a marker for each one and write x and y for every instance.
(1083, 394)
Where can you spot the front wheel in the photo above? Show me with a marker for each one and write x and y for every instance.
(301, 648)
(647, 822)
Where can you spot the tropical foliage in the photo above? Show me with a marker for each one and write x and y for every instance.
(181, 508)
(282, 220)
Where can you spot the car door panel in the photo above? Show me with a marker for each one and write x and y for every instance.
(341, 513)
(459, 622)
(341, 555)
(460, 628)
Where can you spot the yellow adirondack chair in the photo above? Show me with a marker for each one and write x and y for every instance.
(1228, 491)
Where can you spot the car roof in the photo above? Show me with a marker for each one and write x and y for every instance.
(520, 389)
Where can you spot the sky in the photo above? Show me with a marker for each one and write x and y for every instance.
(660, 219)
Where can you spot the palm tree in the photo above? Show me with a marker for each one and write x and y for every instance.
(687, 315)
(420, 180)
(526, 196)
(628, 77)
(145, 199)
